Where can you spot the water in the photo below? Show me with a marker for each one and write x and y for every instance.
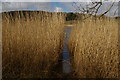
(66, 55)
(63, 67)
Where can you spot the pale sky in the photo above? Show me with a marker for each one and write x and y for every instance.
(53, 5)
(56, 0)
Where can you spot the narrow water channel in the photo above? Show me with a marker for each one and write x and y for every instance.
(66, 55)
(63, 67)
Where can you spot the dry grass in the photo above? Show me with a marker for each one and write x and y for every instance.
(32, 43)
(94, 48)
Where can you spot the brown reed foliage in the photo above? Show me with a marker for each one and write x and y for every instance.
(94, 48)
(32, 43)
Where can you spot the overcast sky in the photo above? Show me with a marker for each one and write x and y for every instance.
(51, 5)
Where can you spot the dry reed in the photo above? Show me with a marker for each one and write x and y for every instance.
(94, 48)
(32, 43)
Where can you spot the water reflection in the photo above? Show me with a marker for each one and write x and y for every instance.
(63, 67)
(66, 54)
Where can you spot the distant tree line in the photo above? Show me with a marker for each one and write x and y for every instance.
(71, 16)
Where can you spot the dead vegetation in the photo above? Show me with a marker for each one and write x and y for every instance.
(94, 48)
(32, 43)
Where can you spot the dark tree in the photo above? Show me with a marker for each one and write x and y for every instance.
(71, 16)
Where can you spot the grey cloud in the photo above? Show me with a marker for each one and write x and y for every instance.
(7, 6)
(106, 6)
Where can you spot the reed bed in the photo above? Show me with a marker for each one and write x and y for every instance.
(32, 43)
(94, 48)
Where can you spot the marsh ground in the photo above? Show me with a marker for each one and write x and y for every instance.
(38, 44)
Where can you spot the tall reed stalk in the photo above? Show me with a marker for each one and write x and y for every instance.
(94, 48)
(32, 43)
